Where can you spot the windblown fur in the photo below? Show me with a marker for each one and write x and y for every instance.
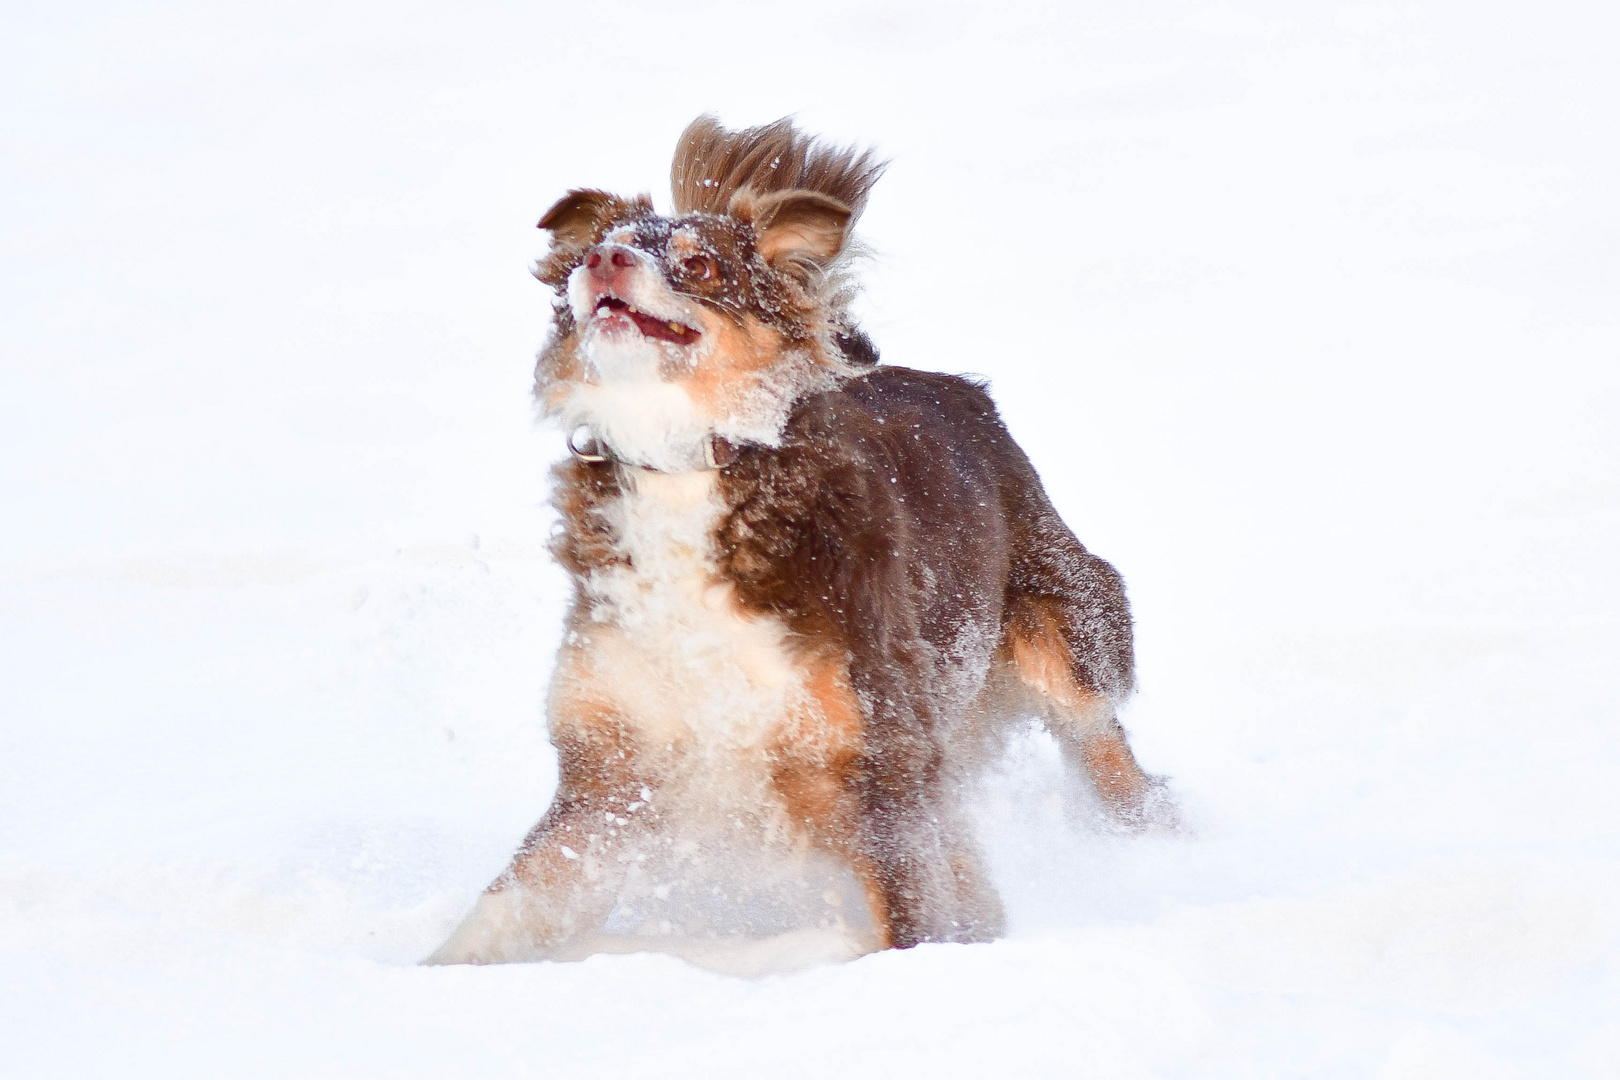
(713, 164)
(808, 588)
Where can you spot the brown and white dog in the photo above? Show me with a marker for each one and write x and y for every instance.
(809, 589)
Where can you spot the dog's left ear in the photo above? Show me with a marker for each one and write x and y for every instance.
(797, 227)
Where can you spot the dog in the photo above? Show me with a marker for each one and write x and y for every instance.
(810, 589)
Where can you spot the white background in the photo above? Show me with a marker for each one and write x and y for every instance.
(1307, 313)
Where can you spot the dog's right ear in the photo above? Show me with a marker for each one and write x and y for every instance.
(575, 221)
(575, 218)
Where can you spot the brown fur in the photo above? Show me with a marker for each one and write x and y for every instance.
(886, 546)
(901, 521)
(712, 165)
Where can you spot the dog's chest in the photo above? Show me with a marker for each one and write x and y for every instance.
(685, 663)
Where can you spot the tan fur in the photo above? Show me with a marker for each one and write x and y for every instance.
(739, 351)
(814, 776)
(1113, 769)
(1041, 657)
(558, 369)
(1082, 720)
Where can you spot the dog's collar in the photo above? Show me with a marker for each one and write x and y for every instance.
(718, 453)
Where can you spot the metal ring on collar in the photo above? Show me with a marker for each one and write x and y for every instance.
(592, 447)
(718, 452)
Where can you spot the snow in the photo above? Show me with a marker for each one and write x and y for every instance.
(1312, 333)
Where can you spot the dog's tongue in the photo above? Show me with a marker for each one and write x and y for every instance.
(662, 330)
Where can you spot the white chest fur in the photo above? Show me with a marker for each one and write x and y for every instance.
(711, 693)
(686, 665)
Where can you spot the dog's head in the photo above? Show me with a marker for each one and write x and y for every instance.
(669, 330)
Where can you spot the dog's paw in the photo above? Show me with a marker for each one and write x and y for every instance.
(1155, 812)
(500, 930)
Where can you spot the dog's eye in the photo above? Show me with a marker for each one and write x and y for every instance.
(699, 267)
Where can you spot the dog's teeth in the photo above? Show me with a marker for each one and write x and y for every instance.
(675, 326)
(633, 310)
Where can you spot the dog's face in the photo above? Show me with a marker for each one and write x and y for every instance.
(673, 323)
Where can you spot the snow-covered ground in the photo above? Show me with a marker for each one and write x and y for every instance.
(1309, 313)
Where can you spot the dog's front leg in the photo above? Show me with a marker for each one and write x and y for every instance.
(561, 884)
(567, 874)
(923, 878)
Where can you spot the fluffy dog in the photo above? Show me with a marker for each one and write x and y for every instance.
(808, 588)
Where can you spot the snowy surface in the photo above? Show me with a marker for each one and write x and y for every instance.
(1310, 315)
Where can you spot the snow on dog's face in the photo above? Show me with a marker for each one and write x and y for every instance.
(671, 330)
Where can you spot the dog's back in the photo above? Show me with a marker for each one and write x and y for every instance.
(900, 511)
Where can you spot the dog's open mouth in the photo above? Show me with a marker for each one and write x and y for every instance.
(649, 325)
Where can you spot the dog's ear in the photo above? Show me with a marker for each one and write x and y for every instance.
(576, 217)
(795, 227)
(575, 221)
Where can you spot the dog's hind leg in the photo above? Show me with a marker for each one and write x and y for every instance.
(1070, 647)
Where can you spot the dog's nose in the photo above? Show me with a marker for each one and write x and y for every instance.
(608, 261)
